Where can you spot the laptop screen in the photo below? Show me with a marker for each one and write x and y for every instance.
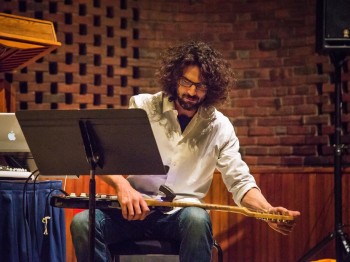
(11, 136)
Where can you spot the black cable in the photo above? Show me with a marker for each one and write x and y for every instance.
(25, 219)
(25, 210)
(34, 205)
(48, 199)
(47, 214)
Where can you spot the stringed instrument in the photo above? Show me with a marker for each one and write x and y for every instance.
(110, 202)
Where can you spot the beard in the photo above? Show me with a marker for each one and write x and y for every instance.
(191, 103)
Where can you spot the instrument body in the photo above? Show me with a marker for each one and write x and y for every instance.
(110, 202)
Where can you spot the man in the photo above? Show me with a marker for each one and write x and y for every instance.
(194, 139)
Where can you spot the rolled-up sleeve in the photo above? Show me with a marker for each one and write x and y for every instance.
(235, 172)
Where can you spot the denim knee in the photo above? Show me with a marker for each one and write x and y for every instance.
(80, 224)
(195, 220)
(196, 234)
(195, 216)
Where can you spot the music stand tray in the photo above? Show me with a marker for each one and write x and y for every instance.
(123, 136)
(101, 142)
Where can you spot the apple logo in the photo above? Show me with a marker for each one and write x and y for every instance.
(11, 136)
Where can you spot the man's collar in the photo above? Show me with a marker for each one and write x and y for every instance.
(167, 105)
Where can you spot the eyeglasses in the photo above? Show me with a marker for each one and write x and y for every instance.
(188, 83)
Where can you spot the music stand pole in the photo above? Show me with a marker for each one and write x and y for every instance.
(93, 157)
(341, 241)
(92, 218)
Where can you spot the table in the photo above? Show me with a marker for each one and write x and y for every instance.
(22, 237)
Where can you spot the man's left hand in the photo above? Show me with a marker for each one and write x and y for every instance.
(283, 227)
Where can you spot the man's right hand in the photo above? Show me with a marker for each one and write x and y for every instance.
(131, 201)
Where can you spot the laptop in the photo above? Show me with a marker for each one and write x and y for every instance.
(14, 150)
(12, 139)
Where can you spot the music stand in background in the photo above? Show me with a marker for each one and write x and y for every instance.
(342, 244)
(94, 142)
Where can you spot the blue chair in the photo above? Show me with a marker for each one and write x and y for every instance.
(151, 247)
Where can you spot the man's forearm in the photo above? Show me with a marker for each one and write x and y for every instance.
(115, 181)
(255, 199)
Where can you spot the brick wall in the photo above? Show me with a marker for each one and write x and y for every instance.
(283, 103)
(94, 67)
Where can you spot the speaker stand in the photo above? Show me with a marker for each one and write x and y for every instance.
(342, 246)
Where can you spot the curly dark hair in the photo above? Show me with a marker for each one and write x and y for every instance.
(215, 71)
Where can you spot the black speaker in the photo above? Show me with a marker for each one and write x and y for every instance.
(333, 25)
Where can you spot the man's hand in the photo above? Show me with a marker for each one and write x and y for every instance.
(255, 200)
(283, 227)
(132, 203)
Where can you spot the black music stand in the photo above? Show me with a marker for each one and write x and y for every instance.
(94, 142)
(342, 244)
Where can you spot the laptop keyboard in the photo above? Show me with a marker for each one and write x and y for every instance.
(11, 172)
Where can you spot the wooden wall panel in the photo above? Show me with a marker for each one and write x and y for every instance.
(7, 96)
(242, 238)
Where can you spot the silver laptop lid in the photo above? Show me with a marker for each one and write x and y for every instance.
(11, 136)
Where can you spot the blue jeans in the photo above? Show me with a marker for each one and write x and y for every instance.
(190, 226)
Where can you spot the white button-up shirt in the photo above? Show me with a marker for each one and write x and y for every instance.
(209, 142)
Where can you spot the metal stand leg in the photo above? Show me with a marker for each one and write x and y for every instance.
(342, 245)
